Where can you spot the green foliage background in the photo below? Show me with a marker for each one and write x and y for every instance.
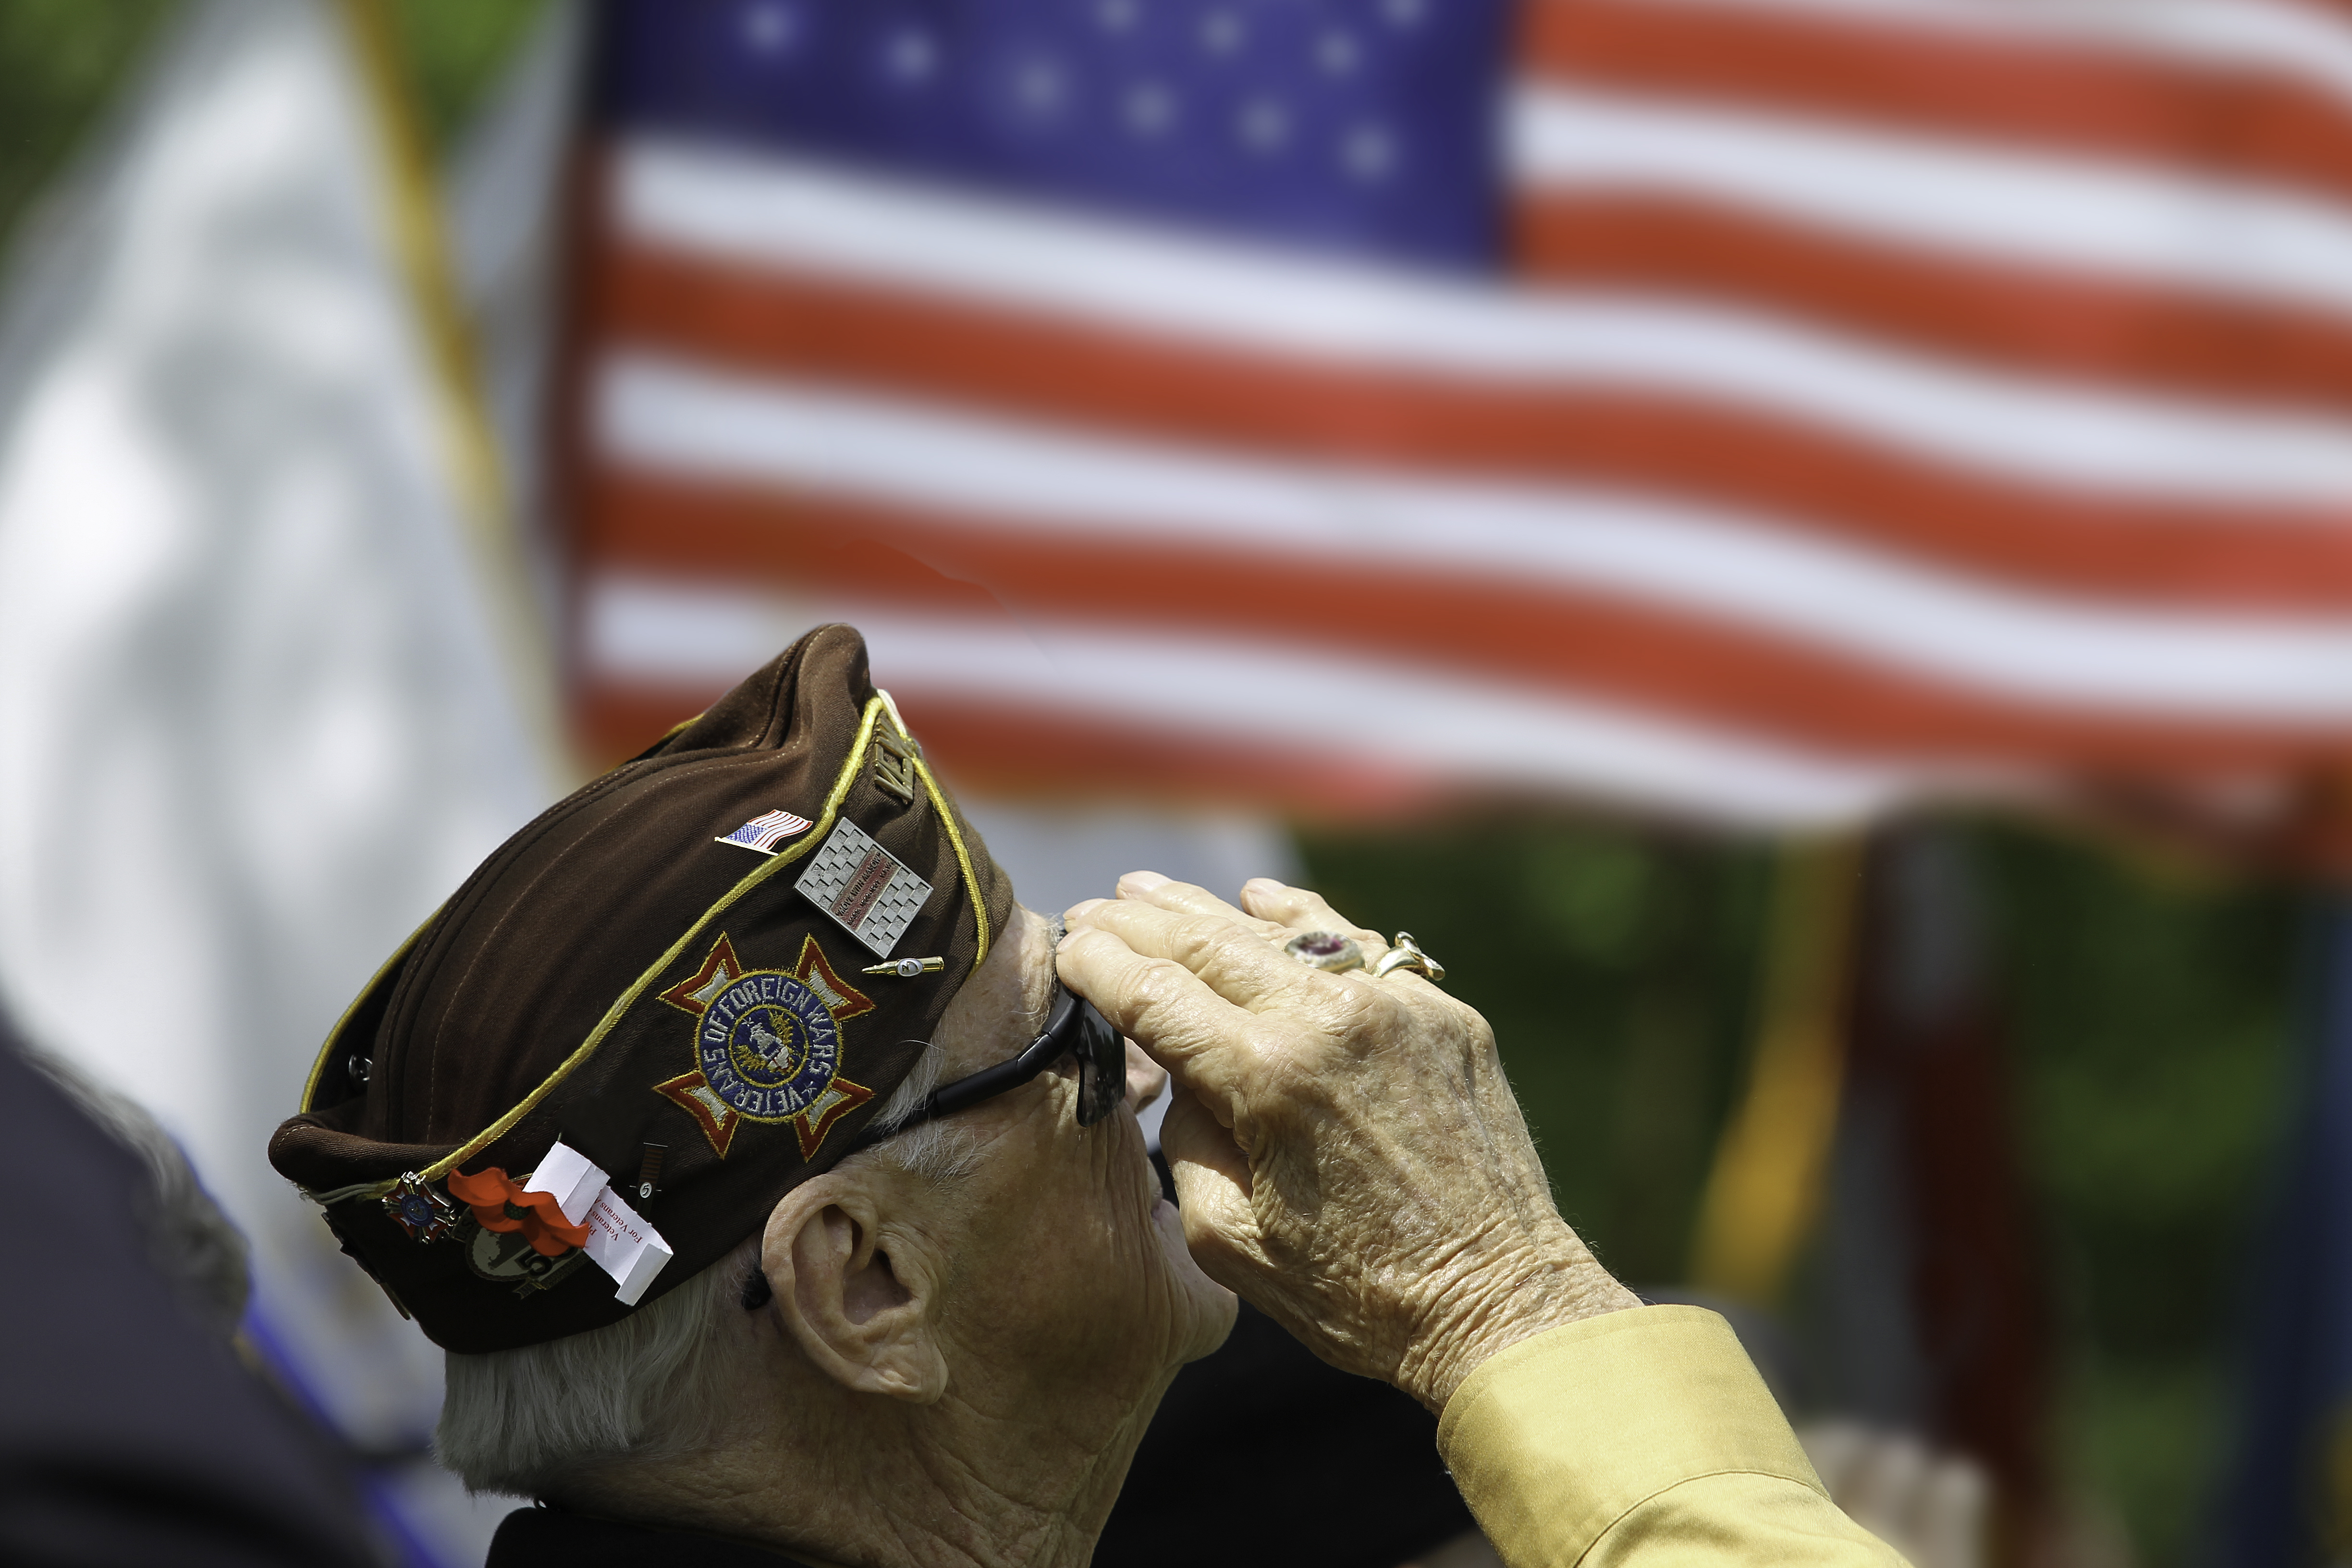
(2151, 1014)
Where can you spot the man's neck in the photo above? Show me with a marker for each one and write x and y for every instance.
(950, 1484)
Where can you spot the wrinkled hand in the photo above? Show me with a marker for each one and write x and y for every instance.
(1348, 1155)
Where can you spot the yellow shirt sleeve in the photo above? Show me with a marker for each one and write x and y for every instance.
(1640, 1439)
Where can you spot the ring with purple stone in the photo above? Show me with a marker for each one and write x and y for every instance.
(1325, 950)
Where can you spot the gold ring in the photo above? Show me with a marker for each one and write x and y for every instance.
(1325, 950)
(1405, 953)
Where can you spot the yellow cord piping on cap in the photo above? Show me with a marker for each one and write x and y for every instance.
(319, 1068)
(948, 821)
(628, 999)
(964, 858)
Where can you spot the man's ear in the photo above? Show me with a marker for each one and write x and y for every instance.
(864, 1315)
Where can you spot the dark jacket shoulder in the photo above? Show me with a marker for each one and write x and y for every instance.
(557, 1537)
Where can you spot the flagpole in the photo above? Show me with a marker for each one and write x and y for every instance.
(1765, 1191)
(413, 215)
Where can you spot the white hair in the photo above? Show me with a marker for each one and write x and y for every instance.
(655, 1385)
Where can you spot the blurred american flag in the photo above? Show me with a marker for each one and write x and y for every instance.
(1758, 409)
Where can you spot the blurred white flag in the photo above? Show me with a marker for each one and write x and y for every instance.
(261, 708)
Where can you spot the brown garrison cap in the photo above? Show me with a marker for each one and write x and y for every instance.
(670, 972)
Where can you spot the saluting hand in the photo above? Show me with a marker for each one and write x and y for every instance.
(1346, 1152)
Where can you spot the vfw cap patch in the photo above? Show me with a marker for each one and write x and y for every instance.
(767, 1046)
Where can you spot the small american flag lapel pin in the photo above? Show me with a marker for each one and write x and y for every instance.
(767, 830)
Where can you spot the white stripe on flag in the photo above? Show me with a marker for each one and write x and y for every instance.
(1957, 197)
(994, 474)
(651, 633)
(769, 214)
(2287, 37)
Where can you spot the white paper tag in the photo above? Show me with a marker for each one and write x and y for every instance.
(624, 1247)
(571, 1177)
(619, 1242)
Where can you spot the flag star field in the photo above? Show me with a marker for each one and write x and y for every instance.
(1364, 126)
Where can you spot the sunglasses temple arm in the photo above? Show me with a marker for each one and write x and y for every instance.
(966, 1092)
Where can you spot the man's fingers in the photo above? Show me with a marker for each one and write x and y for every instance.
(1192, 1136)
(1213, 1182)
(1233, 958)
(1159, 1004)
(1302, 909)
(1185, 898)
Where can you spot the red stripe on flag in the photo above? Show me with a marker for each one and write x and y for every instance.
(1587, 644)
(1735, 457)
(2097, 330)
(2039, 95)
(1015, 750)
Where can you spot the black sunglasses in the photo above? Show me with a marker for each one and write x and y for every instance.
(1072, 1028)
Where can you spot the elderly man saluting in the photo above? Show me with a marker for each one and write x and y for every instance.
(771, 1179)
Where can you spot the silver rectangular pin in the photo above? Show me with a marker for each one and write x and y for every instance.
(865, 887)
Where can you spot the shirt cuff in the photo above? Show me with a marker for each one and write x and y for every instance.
(1557, 1438)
